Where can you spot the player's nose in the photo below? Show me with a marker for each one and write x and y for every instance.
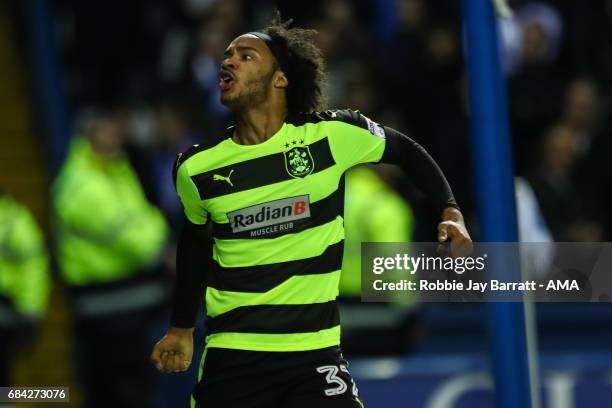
(229, 63)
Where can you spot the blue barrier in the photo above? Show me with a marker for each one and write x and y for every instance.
(51, 101)
(577, 380)
(495, 196)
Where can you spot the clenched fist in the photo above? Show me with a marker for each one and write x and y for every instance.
(173, 353)
(453, 227)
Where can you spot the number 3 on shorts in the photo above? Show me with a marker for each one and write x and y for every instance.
(331, 376)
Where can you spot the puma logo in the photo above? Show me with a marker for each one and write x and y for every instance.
(218, 177)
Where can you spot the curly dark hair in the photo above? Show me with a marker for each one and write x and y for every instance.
(305, 67)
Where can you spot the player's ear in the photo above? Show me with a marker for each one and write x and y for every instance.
(280, 79)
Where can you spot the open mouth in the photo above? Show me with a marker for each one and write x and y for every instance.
(225, 80)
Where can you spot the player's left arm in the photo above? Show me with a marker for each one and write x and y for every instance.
(357, 139)
(174, 352)
(401, 150)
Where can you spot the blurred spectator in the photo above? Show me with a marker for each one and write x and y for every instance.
(535, 87)
(200, 7)
(112, 47)
(175, 135)
(584, 112)
(423, 78)
(374, 212)
(342, 15)
(405, 78)
(337, 28)
(423, 74)
(581, 111)
(109, 242)
(231, 13)
(542, 30)
(212, 39)
(357, 90)
(561, 204)
(24, 281)
(444, 98)
(533, 33)
(586, 48)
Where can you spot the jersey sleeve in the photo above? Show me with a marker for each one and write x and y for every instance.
(354, 138)
(188, 193)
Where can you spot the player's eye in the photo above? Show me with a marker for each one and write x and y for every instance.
(247, 57)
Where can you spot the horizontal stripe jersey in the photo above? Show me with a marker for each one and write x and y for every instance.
(277, 215)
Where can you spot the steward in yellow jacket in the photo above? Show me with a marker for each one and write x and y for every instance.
(110, 242)
(374, 212)
(24, 280)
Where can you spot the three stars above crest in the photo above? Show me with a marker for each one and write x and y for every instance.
(294, 142)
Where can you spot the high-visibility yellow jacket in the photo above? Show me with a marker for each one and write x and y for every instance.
(373, 212)
(24, 264)
(105, 229)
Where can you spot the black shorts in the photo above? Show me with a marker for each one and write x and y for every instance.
(256, 379)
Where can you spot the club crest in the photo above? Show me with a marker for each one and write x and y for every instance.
(299, 161)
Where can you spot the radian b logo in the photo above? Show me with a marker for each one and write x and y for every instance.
(271, 217)
(299, 161)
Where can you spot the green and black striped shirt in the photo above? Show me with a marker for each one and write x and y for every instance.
(277, 214)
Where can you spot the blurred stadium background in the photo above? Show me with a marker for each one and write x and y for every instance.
(138, 81)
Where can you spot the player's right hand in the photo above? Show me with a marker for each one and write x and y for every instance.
(173, 353)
